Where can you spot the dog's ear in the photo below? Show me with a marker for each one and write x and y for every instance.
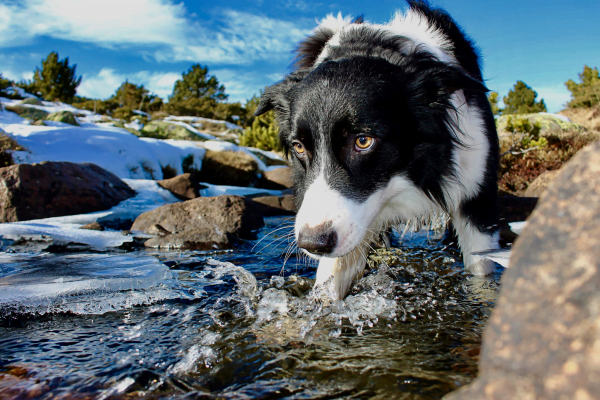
(276, 96)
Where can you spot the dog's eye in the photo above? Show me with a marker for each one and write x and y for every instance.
(363, 143)
(299, 147)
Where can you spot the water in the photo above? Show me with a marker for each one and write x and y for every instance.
(185, 326)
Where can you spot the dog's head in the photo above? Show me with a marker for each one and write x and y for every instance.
(359, 132)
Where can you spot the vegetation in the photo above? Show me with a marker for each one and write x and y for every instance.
(530, 133)
(7, 146)
(263, 134)
(587, 93)
(521, 100)
(56, 80)
(493, 99)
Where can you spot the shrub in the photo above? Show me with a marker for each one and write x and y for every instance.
(56, 80)
(264, 133)
(521, 100)
(586, 93)
(531, 133)
(493, 99)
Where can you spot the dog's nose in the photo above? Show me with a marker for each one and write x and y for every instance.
(321, 239)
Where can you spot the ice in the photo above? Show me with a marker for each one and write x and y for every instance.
(217, 190)
(84, 283)
(517, 227)
(500, 256)
(64, 233)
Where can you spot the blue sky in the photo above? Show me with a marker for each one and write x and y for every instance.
(247, 44)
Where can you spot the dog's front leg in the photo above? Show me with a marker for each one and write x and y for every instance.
(342, 271)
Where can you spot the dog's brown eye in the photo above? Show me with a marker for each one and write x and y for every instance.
(363, 142)
(299, 147)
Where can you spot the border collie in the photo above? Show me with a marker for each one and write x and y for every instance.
(384, 124)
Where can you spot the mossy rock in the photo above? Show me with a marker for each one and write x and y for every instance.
(550, 125)
(27, 112)
(228, 168)
(166, 130)
(34, 101)
(66, 117)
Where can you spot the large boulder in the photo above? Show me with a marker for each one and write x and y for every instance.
(543, 338)
(201, 224)
(540, 184)
(65, 117)
(52, 189)
(168, 130)
(228, 168)
(276, 205)
(279, 178)
(184, 186)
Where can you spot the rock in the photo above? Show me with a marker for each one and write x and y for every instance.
(201, 224)
(34, 101)
(280, 178)
(27, 112)
(276, 205)
(184, 186)
(167, 130)
(38, 122)
(228, 168)
(94, 226)
(66, 117)
(543, 338)
(53, 189)
(539, 184)
(587, 117)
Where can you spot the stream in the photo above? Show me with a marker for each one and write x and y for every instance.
(240, 324)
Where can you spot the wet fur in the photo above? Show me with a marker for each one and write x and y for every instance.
(414, 85)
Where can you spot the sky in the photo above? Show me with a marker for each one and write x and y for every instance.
(248, 44)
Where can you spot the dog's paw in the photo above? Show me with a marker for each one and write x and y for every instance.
(481, 266)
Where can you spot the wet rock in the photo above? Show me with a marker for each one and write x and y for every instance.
(94, 226)
(276, 205)
(53, 189)
(539, 184)
(66, 117)
(228, 168)
(203, 223)
(184, 186)
(280, 178)
(543, 341)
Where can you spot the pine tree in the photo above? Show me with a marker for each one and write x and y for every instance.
(56, 80)
(521, 100)
(586, 93)
(196, 93)
(493, 99)
(129, 97)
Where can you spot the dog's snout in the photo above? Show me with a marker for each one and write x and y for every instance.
(321, 239)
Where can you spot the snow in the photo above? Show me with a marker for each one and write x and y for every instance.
(227, 124)
(48, 106)
(500, 256)
(17, 90)
(135, 124)
(517, 227)
(113, 149)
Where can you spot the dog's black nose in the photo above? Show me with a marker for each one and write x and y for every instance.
(321, 239)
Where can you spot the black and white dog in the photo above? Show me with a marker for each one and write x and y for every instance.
(383, 124)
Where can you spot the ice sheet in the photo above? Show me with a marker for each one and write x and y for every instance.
(217, 190)
(85, 283)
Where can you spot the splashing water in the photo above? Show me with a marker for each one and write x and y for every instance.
(232, 325)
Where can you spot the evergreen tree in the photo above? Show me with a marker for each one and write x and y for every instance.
(521, 100)
(129, 97)
(56, 80)
(196, 93)
(264, 133)
(586, 93)
(493, 99)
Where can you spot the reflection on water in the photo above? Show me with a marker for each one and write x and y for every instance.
(409, 329)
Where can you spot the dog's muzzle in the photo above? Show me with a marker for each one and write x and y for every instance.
(319, 240)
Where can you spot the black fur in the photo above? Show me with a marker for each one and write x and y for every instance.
(379, 84)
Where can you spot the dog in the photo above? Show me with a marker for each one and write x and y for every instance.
(383, 124)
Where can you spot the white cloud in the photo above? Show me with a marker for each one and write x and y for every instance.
(106, 22)
(105, 83)
(555, 97)
(233, 37)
